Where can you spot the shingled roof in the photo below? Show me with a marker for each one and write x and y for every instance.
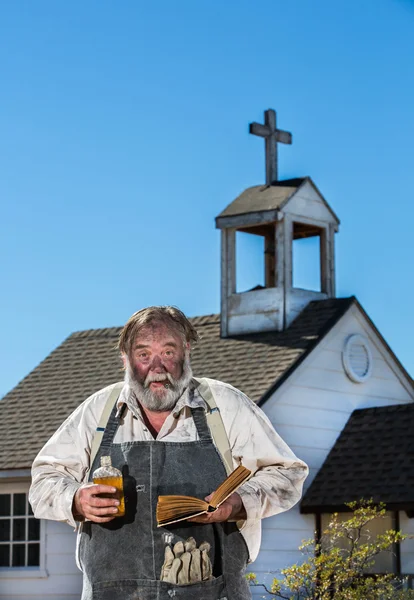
(372, 458)
(88, 361)
(259, 198)
(263, 197)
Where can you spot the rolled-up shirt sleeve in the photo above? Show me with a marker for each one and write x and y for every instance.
(62, 465)
(278, 475)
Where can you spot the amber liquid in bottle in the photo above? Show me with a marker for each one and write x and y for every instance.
(108, 475)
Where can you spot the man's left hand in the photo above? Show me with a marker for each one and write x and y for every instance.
(232, 509)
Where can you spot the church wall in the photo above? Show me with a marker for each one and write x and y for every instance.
(309, 411)
(62, 579)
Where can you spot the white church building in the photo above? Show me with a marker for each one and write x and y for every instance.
(316, 364)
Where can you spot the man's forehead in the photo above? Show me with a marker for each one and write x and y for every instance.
(157, 332)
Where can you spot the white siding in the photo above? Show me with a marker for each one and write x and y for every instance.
(309, 411)
(281, 537)
(63, 580)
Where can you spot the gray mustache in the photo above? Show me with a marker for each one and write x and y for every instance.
(159, 377)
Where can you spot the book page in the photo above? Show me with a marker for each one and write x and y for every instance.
(170, 507)
(183, 518)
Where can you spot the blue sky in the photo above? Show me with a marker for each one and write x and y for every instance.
(124, 132)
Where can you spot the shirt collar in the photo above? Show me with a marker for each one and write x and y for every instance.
(190, 398)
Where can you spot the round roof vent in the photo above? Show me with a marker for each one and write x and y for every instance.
(357, 358)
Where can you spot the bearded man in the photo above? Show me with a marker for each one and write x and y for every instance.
(158, 435)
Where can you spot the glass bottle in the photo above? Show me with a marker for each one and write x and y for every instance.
(106, 474)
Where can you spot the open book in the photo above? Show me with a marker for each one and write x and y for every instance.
(171, 509)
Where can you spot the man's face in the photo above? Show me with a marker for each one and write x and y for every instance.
(160, 367)
(157, 352)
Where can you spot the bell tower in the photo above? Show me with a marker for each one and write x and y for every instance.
(280, 212)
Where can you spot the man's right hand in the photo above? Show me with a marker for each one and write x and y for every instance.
(89, 504)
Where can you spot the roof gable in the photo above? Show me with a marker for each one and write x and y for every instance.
(307, 201)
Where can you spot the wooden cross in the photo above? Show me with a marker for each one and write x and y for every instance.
(272, 136)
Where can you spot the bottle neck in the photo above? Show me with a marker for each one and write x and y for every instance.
(106, 461)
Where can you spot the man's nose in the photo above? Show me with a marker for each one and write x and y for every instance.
(156, 364)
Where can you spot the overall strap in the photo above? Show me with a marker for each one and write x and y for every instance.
(215, 423)
(111, 428)
(200, 421)
(110, 407)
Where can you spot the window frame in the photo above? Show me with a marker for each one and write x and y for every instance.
(37, 572)
(395, 549)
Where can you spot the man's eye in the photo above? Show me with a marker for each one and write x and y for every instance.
(143, 355)
(169, 354)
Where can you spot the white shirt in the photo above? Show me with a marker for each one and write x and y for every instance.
(63, 463)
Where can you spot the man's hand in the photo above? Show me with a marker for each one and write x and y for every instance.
(232, 509)
(88, 503)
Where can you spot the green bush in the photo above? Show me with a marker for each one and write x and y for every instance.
(336, 567)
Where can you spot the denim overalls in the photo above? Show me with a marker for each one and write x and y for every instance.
(122, 559)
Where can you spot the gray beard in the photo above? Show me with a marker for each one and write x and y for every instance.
(169, 396)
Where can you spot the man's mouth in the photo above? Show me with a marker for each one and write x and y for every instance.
(160, 384)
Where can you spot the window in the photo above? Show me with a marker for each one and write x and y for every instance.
(385, 562)
(357, 358)
(19, 531)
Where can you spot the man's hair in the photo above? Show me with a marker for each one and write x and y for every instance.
(170, 316)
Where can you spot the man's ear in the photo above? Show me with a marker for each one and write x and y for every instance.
(124, 360)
